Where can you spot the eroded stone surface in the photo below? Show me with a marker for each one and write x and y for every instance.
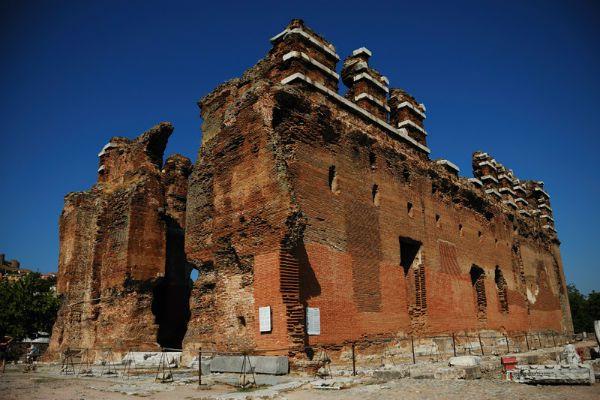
(121, 250)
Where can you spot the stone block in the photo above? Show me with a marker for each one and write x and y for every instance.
(274, 365)
(388, 375)
(151, 358)
(465, 361)
(553, 374)
(205, 365)
(471, 373)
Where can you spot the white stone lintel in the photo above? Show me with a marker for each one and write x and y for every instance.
(449, 164)
(540, 190)
(312, 61)
(484, 163)
(364, 75)
(412, 107)
(371, 99)
(362, 50)
(494, 192)
(489, 178)
(476, 181)
(106, 147)
(507, 190)
(329, 49)
(522, 200)
(408, 122)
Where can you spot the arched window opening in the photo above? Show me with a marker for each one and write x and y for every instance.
(333, 180)
(478, 282)
(375, 194)
(411, 261)
(501, 286)
(372, 160)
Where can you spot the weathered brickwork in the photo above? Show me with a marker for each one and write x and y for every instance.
(122, 271)
(302, 198)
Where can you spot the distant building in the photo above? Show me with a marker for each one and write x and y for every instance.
(11, 269)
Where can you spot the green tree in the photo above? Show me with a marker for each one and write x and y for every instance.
(28, 305)
(593, 306)
(584, 309)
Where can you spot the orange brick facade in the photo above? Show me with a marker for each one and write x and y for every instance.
(303, 198)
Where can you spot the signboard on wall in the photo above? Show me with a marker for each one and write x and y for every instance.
(264, 318)
(313, 321)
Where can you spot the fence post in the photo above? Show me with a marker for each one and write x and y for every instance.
(507, 345)
(200, 366)
(353, 360)
(480, 343)
(553, 339)
(412, 346)
(453, 344)
(540, 340)
(527, 341)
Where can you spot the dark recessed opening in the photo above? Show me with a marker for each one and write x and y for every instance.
(409, 248)
(478, 282)
(171, 293)
(241, 320)
(476, 273)
(332, 179)
(409, 209)
(501, 286)
(372, 160)
(375, 194)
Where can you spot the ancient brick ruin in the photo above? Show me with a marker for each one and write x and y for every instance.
(321, 213)
(122, 270)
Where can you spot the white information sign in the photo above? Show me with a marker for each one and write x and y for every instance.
(264, 318)
(313, 321)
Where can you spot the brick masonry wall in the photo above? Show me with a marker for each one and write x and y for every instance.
(298, 201)
(118, 244)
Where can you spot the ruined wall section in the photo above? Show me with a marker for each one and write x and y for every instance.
(240, 219)
(114, 246)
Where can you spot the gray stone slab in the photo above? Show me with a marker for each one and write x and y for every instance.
(388, 375)
(465, 361)
(471, 373)
(151, 358)
(553, 374)
(274, 365)
(205, 366)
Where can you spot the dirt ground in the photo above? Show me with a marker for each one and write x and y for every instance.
(48, 385)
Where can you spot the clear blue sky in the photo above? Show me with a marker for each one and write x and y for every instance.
(519, 79)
